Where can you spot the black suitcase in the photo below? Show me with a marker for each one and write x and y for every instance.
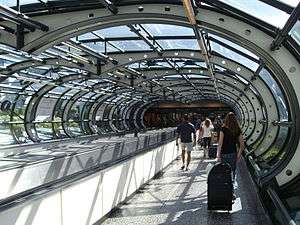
(219, 187)
(212, 151)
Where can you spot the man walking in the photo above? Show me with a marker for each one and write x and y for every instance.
(185, 131)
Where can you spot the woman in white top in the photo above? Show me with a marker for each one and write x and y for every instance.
(206, 133)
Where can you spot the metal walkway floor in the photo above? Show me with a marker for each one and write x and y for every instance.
(180, 197)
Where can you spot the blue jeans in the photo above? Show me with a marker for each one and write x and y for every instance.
(231, 160)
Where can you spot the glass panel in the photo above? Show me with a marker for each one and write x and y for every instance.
(59, 131)
(74, 118)
(260, 10)
(131, 45)
(165, 29)
(75, 112)
(292, 3)
(21, 104)
(74, 127)
(120, 31)
(179, 44)
(44, 131)
(58, 114)
(295, 32)
(119, 125)
(45, 109)
(274, 155)
(6, 137)
(104, 127)
(20, 133)
(12, 3)
(5, 115)
(100, 47)
(107, 111)
(238, 47)
(6, 59)
(277, 93)
(86, 36)
(234, 56)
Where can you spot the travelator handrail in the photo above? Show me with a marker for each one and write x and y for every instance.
(78, 138)
(287, 220)
(67, 180)
(285, 216)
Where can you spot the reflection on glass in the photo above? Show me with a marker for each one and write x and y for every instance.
(45, 109)
(179, 44)
(120, 31)
(20, 133)
(295, 32)
(12, 3)
(100, 47)
(131, 45)
(44, 131)
(58, 130)
(292, 3)
(6, 137)
(166, 29)
(274, 154)
(260, 10)
(87, 36)
(277, 93)
(234, 56)
(233, 45)
(74, 127)
(104, 127)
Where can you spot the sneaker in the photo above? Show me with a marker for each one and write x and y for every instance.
(182, 167)
(186, 169)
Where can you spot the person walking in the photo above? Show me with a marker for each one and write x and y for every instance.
(217, 125)
(205, 134)
(187, 134)
(230, 136)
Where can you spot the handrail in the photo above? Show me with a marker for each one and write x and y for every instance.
(23, 196)
(256, 168)
(275, 199)
(79, 138)
(280, 206)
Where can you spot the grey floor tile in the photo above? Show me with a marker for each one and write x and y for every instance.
(180, 197)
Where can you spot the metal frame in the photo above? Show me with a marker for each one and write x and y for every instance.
(215, 21)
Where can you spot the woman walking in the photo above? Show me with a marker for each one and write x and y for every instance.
(205, 132)
(230, 136)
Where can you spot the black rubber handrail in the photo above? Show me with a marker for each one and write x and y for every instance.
(287, 220)
(24, 196)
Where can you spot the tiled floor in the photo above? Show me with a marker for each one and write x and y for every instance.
(180, 197)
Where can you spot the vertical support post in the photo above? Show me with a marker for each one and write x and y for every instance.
(20, 37)
(98, 67)
(131, 80)
(20, 30)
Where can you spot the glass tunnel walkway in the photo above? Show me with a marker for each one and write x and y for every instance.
(91, 93)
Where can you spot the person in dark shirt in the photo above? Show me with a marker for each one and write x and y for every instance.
(230, 136)
(185, 131)
(218, 125)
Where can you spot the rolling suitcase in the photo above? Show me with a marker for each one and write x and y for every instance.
(219, 187)
(212, 151)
